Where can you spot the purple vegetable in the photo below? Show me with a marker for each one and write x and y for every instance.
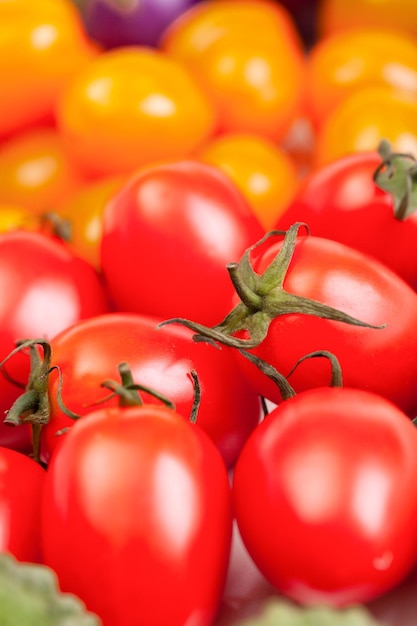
(114, 23)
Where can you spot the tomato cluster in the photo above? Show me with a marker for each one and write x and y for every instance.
(208, 357)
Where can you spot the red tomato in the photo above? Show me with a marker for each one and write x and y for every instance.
(325, 496)
(45, 288)
(341, 201)
(160, 359)
(137, 518)
(21, 487)
(168, 236)
(281, 296)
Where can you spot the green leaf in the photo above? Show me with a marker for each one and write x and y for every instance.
(29, 596)
(277, 612)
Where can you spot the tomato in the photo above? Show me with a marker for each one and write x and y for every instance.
(35, 170)
(235, 51)
(84, 211)
(280, 319)
(167, 237)
(264, 172)
(341, 64)
(363, 119)
(113, 24)
(45, 288)
(341, 201)
(325, 496)
(161, 359)
(137, 517)
(42, 46)
(336, 15)
(21, 487)
(114, 109)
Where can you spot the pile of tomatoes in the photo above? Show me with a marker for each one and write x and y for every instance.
(208, 279)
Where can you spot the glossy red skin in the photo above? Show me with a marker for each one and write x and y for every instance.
(137, 518)
(21, 487)
(325, 496)
(383, 360)
(341, 201)
(45, 288)
(167, 238)
(162, 359)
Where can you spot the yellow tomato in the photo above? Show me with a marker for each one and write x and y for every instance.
(35, 170)
(336, 15)
(42, 45)
(349, 60)
(248, 59)
(130, 106)
(84, 212)
(363, 119)
(260, 169)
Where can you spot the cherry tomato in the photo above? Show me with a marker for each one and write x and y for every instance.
(341, 64)
(341, 201)
(265, 173)
(363, 119)
(136, 509)
(325, 496)
(279, 317)
(35, 170)
(21, 488)
(168, 236)
(84, 210)
(45, 289)
(336, 15)
(161, 359)
(235, 51)
(42, 45)
(131, 106)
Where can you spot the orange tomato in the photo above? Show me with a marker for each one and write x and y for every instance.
(248, 58)
(42, 45)
(260, 169)
(336, 15)
(130, 106)
(84, 211)
(363, 119)
(346, 61)
(35, 170)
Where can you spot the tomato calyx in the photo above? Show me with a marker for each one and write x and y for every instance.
(32, 406)
(397, 175)
(263, 298)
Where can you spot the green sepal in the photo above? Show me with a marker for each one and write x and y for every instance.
(277, 612)
(397, 175)
(30, 596)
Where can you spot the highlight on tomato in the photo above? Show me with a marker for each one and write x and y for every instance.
(138, 501)
(112, 111)
(248, 58)
(264, 172)
(325, 496)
